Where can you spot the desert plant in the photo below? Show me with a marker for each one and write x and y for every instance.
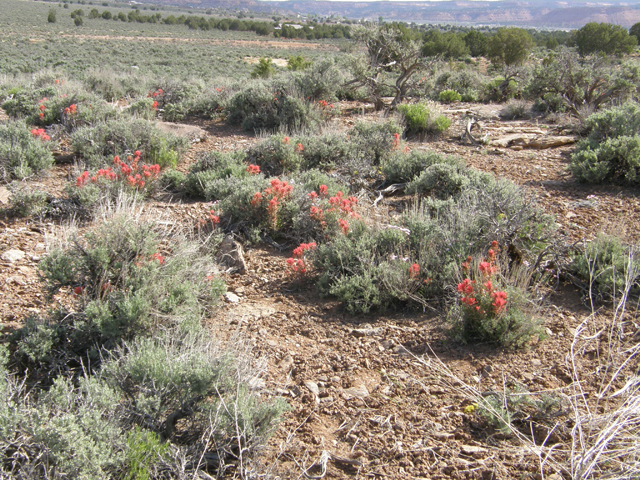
(22, 152)
(489, 309)
(607, 267)
(611, 153)
(264, 68)
(419, 119)
(449, 96)
(100, 143)
(403, 167)
(26, 201)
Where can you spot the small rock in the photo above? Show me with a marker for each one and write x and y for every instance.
(313, 387)
(335, 379)
(13, 255)
(570, 215)
(359, 391)
(365, 332)
(232, 255)
(282, 391)
(4, 195)
(536, 362)
(231, 297)
(286, 363)
(472, 449)
(40, 247)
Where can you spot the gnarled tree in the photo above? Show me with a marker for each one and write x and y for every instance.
(394, 55)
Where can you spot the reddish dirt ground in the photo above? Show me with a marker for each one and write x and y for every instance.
(367, 389)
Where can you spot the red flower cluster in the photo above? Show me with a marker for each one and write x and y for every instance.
(299, 148)
(286, 140)
(39, 132)
(396, 140)
(155, 105)
(135, 175)
(336, 204)
(414, 270)
(158, 257)
(274, 195)
(42, 108)
(484, 298)
(71, 109)
(157, 93)
(296, 263)
(253, 169)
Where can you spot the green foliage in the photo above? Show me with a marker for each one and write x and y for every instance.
(420, 119)
(500, 89)
(476, 42)
(51, 18)
(21, 153)
(143, 449)
(264, 69)
(277, 155)
(469, 83)
(514, 110)
(259, 107)
(447, 45)
(604, 38)
(447, 180)
(100, 143)
(634, 31)
(404, 167)
(124, 286)
(606, 265)
(490, 310)
(582, 84)
(611, 153)
(449, 96)
(297, 62)
(173, 180)
(370, 267)
(509, 46)
(375, 141)
(209, 174)
(26, 201)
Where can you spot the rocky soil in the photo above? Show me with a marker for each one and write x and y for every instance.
(380, 395)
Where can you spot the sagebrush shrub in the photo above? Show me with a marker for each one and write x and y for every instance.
(270, 106)
(125, 287)
(611, 153)
(403, 167)
(26, 201)
(22, 153)
(606, 265)
(100, 143)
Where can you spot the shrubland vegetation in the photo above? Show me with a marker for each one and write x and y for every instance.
(96, 389)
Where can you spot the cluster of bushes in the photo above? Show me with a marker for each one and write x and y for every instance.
(611, 152)
(128, 386)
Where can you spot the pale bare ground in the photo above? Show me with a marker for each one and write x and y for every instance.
(285, 44)
(280, 62)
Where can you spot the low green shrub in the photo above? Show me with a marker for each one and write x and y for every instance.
(271, 106)
(22, 153)
(515, 110)
(124, 287)
(404, 167)
(100, 143)
(370, 267)
(420, 119)
(276, 155)
(173, 180)
(375, 141)
(212, 167)
(449, 96)
(606, 266)
(26, 201)
(611, 153)
(448, 180)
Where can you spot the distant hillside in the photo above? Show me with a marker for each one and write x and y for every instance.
(537, 13)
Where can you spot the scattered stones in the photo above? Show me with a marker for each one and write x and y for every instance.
(358, 391)
(231, 297)
(365, 332)
(231, 254)
(5, 194)
(313, 387)
(286, 364)
(13, 255)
